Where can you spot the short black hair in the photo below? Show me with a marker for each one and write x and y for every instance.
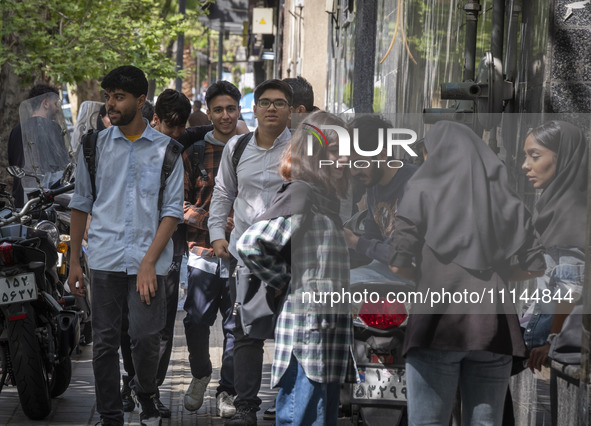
(368, 126)
(37, 91)
(173, 107)
(148, 111)
(127, 78)
(197, 104)
(274, 84)
(303, 93)
(222, 87)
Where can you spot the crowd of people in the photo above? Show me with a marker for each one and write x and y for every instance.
(258, 200)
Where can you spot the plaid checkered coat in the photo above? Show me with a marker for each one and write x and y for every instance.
(318, 335)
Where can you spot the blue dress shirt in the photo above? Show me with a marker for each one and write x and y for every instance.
(125, 213)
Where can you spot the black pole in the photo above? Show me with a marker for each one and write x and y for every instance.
(498, 29)
(510, 61)
(365, 56)
(585, 380)
(209, 66)
(219, 72)
(472, 9)
(180, 49)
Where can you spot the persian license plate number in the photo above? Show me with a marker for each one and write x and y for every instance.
(18, 288)
(381, 384)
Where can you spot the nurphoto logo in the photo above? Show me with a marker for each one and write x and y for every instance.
(391, 138)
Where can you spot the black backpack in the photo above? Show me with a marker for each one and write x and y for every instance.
(173, 150)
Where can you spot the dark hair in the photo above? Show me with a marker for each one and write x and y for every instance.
(127, 78)
(303, 94)
(37, 91)
(148, 111)
(197, 104)
(274, 84)
(547, 135)
(368, 127)
(297, 164)
(173, 107)
(222, 87)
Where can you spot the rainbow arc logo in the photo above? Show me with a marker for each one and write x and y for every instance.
(317, 133)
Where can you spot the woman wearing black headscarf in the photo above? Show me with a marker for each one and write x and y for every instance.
(556, 159)
(457, 227)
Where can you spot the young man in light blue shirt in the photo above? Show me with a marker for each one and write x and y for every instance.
(130, 250)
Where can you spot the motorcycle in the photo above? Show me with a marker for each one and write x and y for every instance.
(88, 114)
(379, 398)
(86, 120)
(38, 332)
(83, 304)
(39, 328)
(379, 323)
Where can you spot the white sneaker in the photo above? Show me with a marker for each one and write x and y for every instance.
(225, 405)
(194, 396)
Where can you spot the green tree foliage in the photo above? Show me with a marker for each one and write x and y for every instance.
(68, 41)
(77, 41)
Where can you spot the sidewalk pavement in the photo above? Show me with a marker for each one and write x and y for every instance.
(77, 405)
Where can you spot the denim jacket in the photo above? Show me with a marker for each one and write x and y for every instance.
(564, 272)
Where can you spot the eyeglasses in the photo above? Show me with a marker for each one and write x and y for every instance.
(278, 103)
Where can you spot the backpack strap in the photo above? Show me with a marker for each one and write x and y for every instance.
(239, 149)
(173, 150)
(197, 161)
(89, 149)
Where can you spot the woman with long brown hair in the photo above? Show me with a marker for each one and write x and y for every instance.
(298, 248)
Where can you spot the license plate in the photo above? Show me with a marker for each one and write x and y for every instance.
(18, 288)
(387, 384)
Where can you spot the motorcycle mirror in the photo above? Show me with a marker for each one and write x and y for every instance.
(16, 171)
(68, 175)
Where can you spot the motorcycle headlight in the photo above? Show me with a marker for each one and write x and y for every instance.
(51, 230)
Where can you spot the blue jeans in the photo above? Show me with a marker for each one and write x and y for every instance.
(110, 291)
(207, 294)
(301, 401)
(433, 376)
(376, 272)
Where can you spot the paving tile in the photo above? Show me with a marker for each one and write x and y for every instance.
(77, 406)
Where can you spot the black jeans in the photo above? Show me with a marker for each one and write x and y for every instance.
(171, 289)
(248, 360)
(111, 291)
(248, 368)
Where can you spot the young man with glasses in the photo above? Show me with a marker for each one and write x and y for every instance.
(208, 276)
(249, 189)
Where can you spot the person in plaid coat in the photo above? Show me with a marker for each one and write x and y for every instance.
(208, 276)
(297, 247)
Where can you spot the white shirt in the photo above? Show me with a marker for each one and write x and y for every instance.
(250, 190)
